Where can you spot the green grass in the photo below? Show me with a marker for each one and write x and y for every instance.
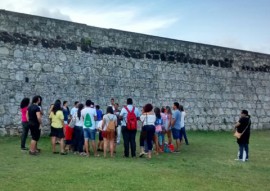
(206, 164)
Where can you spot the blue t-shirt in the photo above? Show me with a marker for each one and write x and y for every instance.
(177, 117)
(99, 115)
(159, 121)
(66, 114)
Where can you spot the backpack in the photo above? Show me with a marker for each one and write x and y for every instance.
(131, 119)
(87, 121)
(111, 125)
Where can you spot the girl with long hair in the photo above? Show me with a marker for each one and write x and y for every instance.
(109, 125)
(25, 127)
(78, 131)
(57, 124)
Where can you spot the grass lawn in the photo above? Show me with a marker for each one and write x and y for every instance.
(206, 164)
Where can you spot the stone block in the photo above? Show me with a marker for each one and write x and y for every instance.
(4, 51)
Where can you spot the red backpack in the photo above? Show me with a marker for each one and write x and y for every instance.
(131, 119)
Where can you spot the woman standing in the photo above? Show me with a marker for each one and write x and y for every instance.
(148, 119)
(66, 112)
(108, 126)
(243, 127)
(57, 124)
(25, 127)
(168, 129)
(183, 129)
(159, 136)
(78, 131)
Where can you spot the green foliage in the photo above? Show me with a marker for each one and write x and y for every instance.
(206, 164)
(86, 41)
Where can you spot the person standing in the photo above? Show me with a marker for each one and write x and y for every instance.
(89, 116)
(243, 126)
(99, 118)
(66, 112)
(34, 121)
(112, 104)
(176, 126)
(129, 115)
(78, 131)
(75, 108)
(183, 128)
(148, 119)
(57, 124)
(25, 126)
(109, 124)
(159, 135)
(168, 124)
(118, 129)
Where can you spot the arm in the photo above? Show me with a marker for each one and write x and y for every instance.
(27, 116)
(237, 125)
(39, 117)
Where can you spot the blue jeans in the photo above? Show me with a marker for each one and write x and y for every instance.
(183, 133)
(147, 134)
(241, 150)
(160, 138)
(89, 134)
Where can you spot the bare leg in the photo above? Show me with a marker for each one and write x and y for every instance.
(105, 145)
(156, 143)
(112, 147)
(86, 147)
(94, 147)
(62, 145)
(33, 146)
(53, 139)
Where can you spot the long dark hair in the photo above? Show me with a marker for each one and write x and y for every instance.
(25, 102)
(157, 112)
(181, 107)
(109, 110)
(80, 107)
(56, 107)
(168, 109)
(40, 103)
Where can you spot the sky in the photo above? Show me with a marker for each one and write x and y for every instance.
(240, 24)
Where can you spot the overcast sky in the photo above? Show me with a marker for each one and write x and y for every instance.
(241, 24)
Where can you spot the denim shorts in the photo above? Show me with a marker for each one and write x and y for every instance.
(89, 134)
(176, 134)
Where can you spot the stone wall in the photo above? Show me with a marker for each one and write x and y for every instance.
(70, 61)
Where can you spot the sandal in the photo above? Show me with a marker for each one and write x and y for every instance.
(63, 153)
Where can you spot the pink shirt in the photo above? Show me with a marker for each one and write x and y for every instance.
(24, 112)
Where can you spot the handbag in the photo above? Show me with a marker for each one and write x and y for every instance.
(237, 134)
(72, 122)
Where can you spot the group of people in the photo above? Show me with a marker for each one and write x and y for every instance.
(74, 129)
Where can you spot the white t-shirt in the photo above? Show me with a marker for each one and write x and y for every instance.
(183, 115)
(148, 119)
(107, 118)
(73, 111)
(124, 113)
(92, 112)
(79, 122)
(99, 124)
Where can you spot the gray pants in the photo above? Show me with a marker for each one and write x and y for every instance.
(25, 130)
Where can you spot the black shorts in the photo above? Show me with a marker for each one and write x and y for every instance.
(57, 132)
(35, 131)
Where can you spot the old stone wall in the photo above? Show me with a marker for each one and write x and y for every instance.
(70, 61)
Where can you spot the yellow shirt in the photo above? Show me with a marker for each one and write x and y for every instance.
(57, 120)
